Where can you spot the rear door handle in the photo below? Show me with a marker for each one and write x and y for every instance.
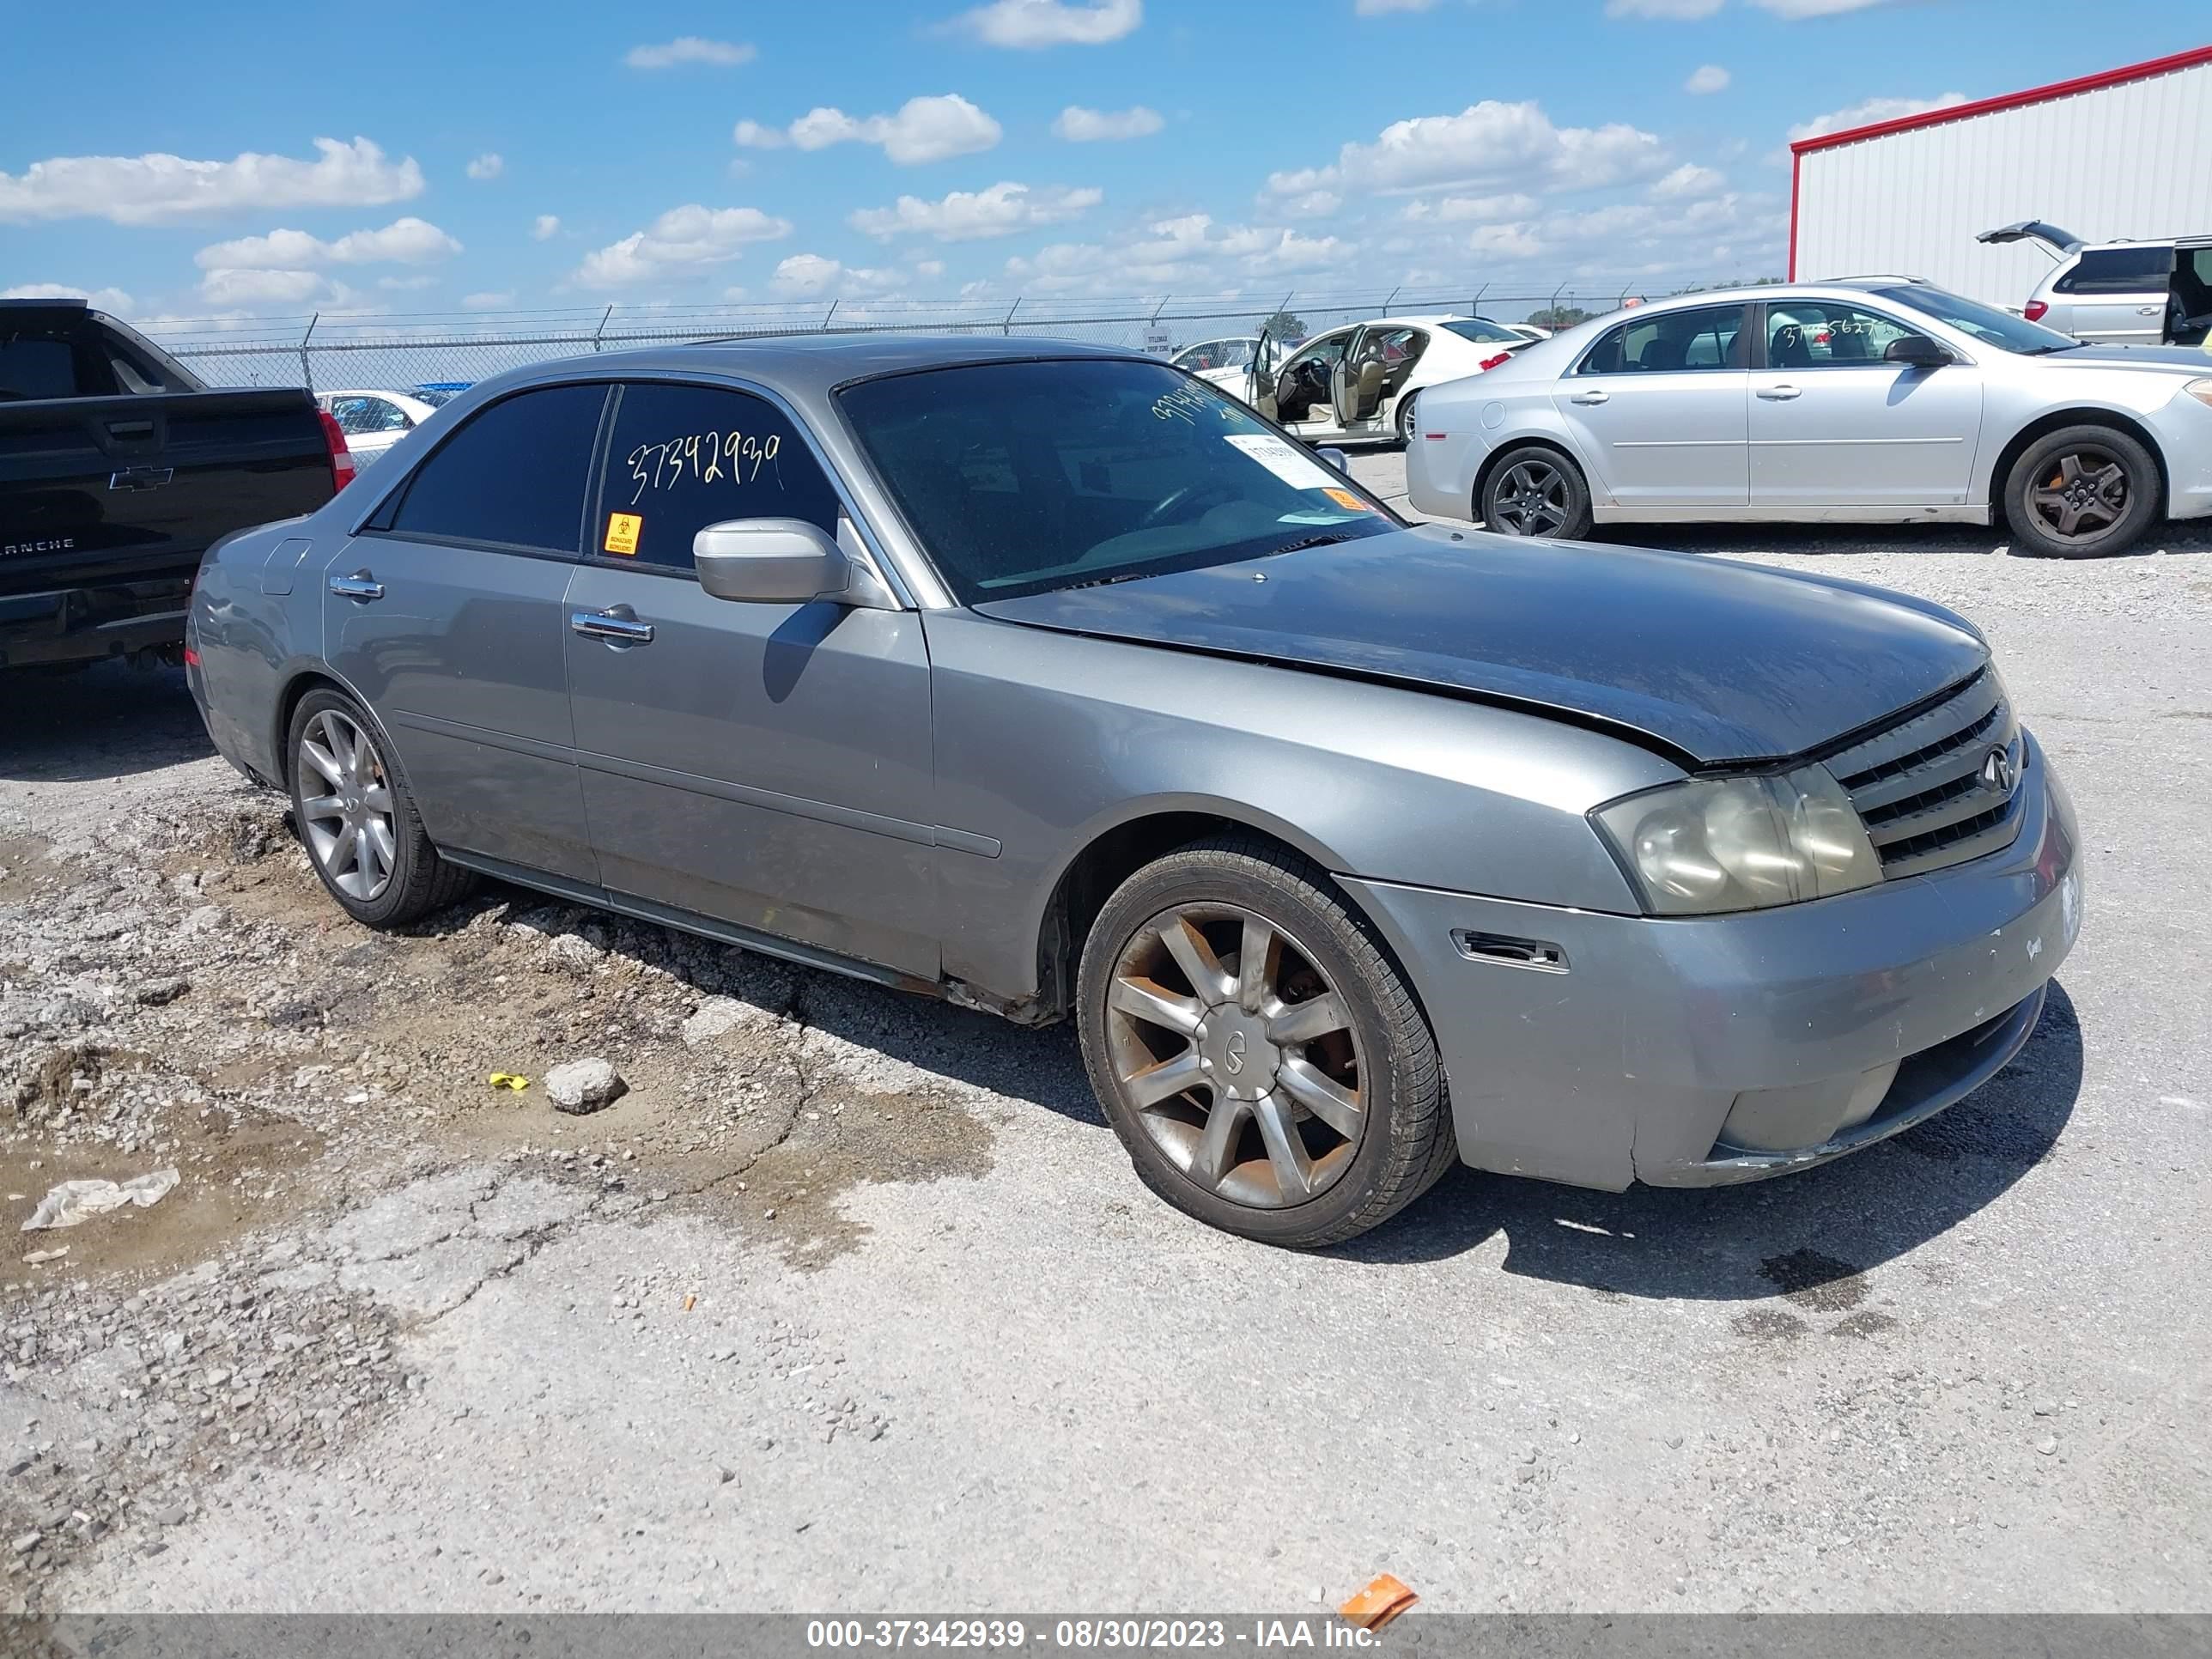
(617, 625)
(1779, 394)
(1589, 397)
(361, 588)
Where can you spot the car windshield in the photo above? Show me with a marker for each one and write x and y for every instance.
(1483, 331)
(1985, 323)
(1020, 477)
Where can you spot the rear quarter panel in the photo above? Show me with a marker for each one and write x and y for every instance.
(1047, 740)
(256, 624)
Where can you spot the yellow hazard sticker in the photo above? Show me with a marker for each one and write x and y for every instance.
(1347, 501)
(623, 530)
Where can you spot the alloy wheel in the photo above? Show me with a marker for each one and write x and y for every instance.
(349, 825)
(1530, 500)
(2082, 496)
(1229, 1044)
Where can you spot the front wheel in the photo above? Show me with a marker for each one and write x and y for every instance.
(351, 804)
(1535, 492)
(1262, 1059)
(2082, 492)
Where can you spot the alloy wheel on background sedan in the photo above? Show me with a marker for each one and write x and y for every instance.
(349, 824)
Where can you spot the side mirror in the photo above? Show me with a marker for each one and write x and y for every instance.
(1917, 351)
(1332, 456)
(770, 561)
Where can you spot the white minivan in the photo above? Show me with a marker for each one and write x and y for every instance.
(2153, 293)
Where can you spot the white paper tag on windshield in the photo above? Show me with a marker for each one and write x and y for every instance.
(1285, 460)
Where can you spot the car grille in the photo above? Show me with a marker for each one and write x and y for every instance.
(1925, 788)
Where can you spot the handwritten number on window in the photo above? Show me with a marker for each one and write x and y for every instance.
(704, 458)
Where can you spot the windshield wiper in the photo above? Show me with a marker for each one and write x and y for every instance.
(1303, 543)
(2045, 351)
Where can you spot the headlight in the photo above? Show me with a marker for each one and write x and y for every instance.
(2200, 390)
(1713, 844)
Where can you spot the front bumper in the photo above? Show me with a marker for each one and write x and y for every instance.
(1622, 1058)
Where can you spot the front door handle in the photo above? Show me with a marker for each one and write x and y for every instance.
(2148, 310)
(1589, 397)
(1779, 394)
(616, 625)
(361, 588)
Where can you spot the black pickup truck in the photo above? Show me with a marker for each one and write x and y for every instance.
(118, 469)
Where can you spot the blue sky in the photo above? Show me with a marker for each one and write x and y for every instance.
(256, 159)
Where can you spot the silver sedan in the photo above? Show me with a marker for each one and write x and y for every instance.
(1876, 400)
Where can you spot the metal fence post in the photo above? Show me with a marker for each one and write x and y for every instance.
(1007, 327)
(306, 370)
(599, 333)
(828, 315)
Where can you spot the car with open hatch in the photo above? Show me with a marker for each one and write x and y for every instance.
(1872, 400)
(1051, 681)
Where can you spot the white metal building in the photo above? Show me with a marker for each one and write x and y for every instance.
(2123, 154)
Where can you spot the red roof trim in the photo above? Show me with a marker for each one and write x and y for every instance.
(2179, 60)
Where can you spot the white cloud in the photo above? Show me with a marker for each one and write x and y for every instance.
(679, 243)
(157, 189)
(1509, 241)
(1377, 8)
(267, 288)
(1459, 210)
(966, 216)
(545, 227)
(1079, 125)
(691, 49)
(928, 129)
(1794, 9)
(1685, 182)
(1170, 252)
(102, 299)
(806, 273)
(1486, 143)
(409, 241)
(1706, 78)
(406, 284)
(1670, 11)
(1029, 25)
(500, 301)
(1312, 205)
(488, 166)
(1870, 111)
(929, 267)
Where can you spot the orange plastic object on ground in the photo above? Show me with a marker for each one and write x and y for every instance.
(1385, 1597)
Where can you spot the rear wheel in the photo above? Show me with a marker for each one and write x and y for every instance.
(1406, 428)
(1535, 492)
(350, 801)
(2082, 492)
(1262, 1059)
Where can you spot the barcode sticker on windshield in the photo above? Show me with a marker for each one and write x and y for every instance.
(1285, 460)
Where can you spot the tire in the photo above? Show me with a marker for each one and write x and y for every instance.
(2094, 481)
(352, 763)
(1535, 491)
(1405, 418)
(1282, 1173)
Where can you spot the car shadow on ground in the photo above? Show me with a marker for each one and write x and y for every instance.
(109, 721)
(1807, 1236)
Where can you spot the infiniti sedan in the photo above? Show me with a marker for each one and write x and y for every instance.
(1052, 682)
(1879, 400)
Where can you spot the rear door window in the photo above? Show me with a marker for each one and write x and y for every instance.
(514, 475)
(1670, 342)
(684, 457)
(2118, 271)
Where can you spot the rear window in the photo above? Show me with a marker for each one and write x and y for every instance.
(42, 364)
(513, 475)
(2118, 271)
(1483, 331)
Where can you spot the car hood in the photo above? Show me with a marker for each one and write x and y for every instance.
(1715, 661)
(2172, 359)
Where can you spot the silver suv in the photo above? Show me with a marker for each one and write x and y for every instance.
(2122, 293)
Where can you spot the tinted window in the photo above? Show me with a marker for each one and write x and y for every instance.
(46, 365)
(1984, 323)
(2118, 271)
(1820, 334)
(684, 457)
(1669, 342)
(1482, 331)
(514, 473)
(1021, 477)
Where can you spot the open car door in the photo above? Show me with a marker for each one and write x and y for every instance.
(1260, 374)
(1355, 384)
(2056, 243)
(2189, 293)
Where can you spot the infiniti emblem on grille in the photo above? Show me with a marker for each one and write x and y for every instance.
(1235, 1057)
(1997, 774)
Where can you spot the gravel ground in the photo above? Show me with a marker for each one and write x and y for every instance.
(850, 1301)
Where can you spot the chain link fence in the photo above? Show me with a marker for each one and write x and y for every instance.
(337, 352)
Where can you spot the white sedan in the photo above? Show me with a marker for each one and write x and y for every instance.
(374, 421)
(1361, 381)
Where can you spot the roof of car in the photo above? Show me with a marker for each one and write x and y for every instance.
(814, 363)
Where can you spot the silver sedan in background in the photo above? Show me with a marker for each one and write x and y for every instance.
(1875, 400)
